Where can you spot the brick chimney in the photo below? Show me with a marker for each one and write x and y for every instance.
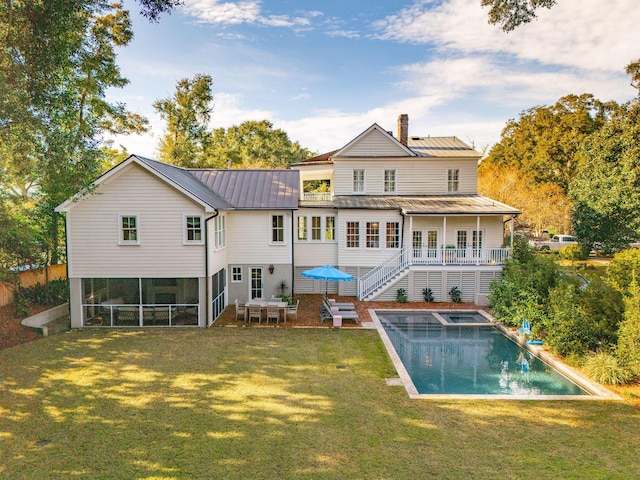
(403, 128)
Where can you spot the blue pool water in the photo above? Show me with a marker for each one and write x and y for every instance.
(454, 353)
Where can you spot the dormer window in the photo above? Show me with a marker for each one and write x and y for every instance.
(358, 181)
(453, 180)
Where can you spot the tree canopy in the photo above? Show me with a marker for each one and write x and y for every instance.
(57, 60)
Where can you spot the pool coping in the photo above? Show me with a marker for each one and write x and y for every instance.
(595, 391)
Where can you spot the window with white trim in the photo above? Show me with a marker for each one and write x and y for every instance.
(193, 230)
(277, 228)
(302, 228)
(330, 228)
(453, 180)
(316, 228)
(129, 234)
(236, 274)
(389, 181)
(219, 231)
(358, 181)
(353, 234)
(373, 235)
(393, 235)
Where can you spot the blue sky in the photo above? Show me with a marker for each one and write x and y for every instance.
(324, 71)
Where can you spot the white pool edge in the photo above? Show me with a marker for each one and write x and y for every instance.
(596, 391)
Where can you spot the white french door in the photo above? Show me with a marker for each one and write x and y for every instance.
(256, 285)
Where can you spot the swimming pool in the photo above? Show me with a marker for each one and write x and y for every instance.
(460, 353)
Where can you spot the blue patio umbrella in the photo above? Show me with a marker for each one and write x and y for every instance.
(327, 273)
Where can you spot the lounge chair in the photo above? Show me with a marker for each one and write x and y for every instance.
(329, 313)
(341, 306)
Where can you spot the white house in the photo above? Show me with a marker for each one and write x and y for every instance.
(150, 244)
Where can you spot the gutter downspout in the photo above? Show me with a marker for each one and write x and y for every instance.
(206, 267)
(293, 262)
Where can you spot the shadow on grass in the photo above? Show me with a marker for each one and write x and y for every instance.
(276, 403)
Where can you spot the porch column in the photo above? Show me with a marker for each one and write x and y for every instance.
(478, 240)
(512, 218)
(444, 240)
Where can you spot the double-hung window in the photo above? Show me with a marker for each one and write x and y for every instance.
(393, 235)
(220, 234)
(129, 226)
(236, 274)
(193, 230)
(316, 228)
(373, 235)
(302, 228)
(358, 181)
(453, 180)
(277, 228)
(330, 228)
(353, 234)
(389, 181)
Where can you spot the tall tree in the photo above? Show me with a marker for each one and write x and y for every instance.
(56, 62)
(606, 190)
(187, 114)
(544, 141)
(254, 144)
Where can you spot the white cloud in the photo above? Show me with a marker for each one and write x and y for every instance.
(248, 11)
(575, 34)
(343, 33)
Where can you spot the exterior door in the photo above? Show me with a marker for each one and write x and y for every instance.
(425, 244)
(256, 286)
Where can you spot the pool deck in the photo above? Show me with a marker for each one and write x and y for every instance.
(596, 391)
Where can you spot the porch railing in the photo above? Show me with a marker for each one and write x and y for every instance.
(406, 257)
(317, 196)
(380, 275)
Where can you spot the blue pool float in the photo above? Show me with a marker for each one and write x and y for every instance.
(534, 342)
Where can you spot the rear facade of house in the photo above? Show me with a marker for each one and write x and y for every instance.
(150, 244)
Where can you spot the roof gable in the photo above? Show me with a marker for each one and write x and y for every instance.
(374, 142)
(177, 177)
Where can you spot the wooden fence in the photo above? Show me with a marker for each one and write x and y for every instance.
(30, 278)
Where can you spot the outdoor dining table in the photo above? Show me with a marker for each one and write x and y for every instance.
(282, 307)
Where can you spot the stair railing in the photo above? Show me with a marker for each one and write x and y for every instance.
(381, 274)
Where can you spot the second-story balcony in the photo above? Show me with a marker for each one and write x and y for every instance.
(316, 196)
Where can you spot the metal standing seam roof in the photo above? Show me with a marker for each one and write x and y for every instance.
(428, 205)
(253, 189)
(184, 179)
(441, 147)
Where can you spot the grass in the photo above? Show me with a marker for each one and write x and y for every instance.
(239, 403)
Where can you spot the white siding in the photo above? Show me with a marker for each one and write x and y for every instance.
(365, 256)
(314, 252)
(249, 238)
(414, 175)
(374, 144)
(93, 226)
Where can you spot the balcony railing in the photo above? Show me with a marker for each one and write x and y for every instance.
(380, 275)
(317, 196)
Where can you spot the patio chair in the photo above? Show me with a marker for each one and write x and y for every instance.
(273, 313)
(255, 311)
(526, 327)
(241, 310)
(292, 310)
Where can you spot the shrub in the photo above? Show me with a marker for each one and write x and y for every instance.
(455, 294)
(401, 295)
(623, 267)
(629, 332)
(427, 293)
(606, 368)
(573, 252)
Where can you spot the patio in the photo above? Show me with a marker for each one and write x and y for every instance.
(309, 312)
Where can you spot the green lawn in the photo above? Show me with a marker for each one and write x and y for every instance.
(236, 403)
